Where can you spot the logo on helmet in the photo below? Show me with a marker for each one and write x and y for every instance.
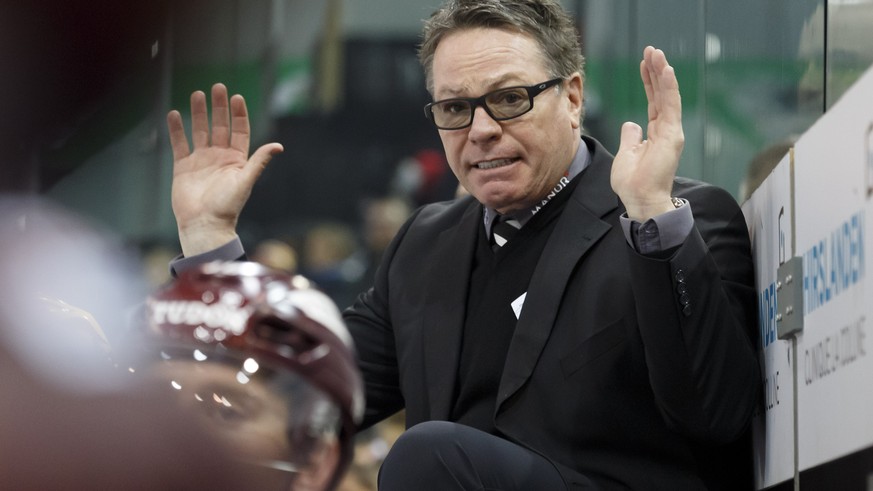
(227, 314)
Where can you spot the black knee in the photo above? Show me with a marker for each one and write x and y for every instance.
(426, 456)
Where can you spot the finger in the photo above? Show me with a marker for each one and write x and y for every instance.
(178, 140)
(220, 116)
(644, 72)
(657, 64)
(650, 92)
(199, 120)
(259, 161)
(631, 137)
(240, 138)
(667, 89)
(651, 56)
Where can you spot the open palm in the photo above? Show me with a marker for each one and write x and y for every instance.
(643, 170)
(212, 183)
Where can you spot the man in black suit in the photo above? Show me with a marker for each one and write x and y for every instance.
(604, 340)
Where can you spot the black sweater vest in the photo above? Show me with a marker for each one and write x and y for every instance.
(496, 280)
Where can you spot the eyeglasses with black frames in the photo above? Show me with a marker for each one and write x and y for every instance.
(500, 104)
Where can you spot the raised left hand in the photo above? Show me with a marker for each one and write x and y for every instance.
(643, 170)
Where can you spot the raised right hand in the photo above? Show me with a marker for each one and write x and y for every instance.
(212, 183)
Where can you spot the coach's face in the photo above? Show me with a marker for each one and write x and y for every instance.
(507, 165)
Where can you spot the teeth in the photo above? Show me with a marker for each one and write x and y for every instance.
(491, 164)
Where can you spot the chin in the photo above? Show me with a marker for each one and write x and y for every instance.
(502, 206)
(496, 199)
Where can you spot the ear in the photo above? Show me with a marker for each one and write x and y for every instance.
(324, 461)
(573, 97)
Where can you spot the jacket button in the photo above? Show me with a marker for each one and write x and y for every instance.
(682, 290)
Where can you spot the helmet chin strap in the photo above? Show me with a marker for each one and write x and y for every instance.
(279, 465)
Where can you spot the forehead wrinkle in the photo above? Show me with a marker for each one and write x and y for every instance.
(494, 83)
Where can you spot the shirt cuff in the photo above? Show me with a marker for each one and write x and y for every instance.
(661, 232)
(231, 251)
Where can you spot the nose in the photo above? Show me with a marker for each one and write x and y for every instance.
(484, 128)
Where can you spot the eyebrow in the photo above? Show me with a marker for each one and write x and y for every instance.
(495, 84)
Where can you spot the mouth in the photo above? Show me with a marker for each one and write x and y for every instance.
(493, 164)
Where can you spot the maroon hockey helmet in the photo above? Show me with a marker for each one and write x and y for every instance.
(268, 357)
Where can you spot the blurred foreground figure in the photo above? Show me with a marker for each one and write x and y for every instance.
(51, 439)
(265, 362)
(70, 418)
(66, 287)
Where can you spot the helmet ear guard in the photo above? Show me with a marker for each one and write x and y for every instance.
(247, 310)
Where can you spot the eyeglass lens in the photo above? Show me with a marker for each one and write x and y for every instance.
(500, 104)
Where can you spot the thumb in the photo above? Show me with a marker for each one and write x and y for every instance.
(259, 160)
(631, 137)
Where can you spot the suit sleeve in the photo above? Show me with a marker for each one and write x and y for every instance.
(369, 322)
(698, 315)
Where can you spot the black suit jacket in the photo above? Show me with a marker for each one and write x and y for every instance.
(625, 371)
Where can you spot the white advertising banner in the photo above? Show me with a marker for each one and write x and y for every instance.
(833, 189)
(768, 216)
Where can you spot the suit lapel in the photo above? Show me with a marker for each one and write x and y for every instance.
(445, 309)
(579, 227)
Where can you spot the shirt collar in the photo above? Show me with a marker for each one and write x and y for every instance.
(580, 162)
